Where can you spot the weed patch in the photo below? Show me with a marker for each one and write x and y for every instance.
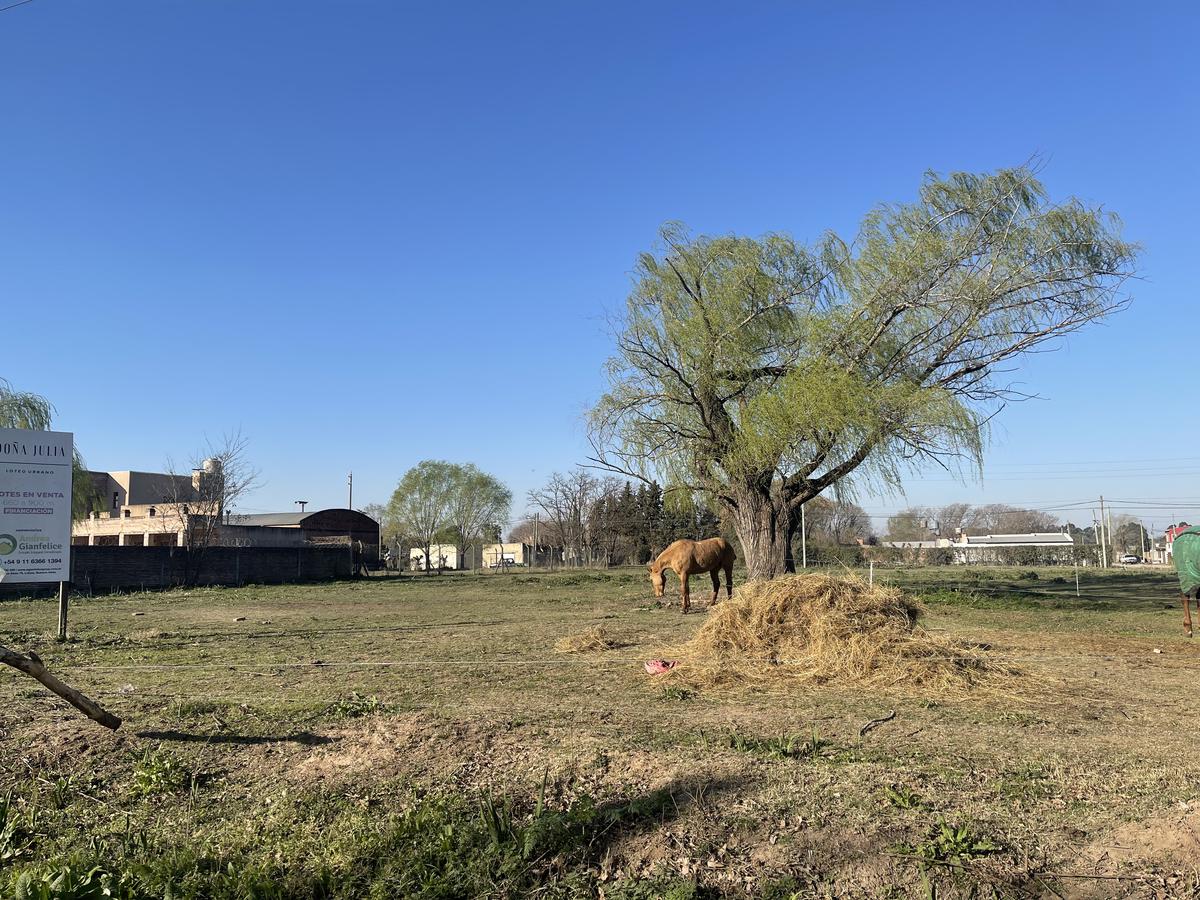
(902, 797)
(677, 694)
(158, 772)
(356, 706)
(948, 843)
(784, 746)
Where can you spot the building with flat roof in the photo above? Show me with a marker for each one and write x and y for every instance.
(1050, 547)
(441, 556)
(153, 509)
(497, 556)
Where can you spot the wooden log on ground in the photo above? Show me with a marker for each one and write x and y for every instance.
(31, 665)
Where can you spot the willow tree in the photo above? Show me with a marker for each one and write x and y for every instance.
(762, 372)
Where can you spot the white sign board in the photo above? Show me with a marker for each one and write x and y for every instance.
(35, 505)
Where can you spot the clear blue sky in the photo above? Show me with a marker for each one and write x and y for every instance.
(313, 221)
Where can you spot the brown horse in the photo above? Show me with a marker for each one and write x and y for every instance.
(687, 558)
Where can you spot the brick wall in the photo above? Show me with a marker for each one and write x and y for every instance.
(104, 569)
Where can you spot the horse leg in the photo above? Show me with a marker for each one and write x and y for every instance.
(716, 578)
(685, 597)
(1187, 612)
(729, 581)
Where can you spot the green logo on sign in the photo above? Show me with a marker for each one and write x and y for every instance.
(8, 544)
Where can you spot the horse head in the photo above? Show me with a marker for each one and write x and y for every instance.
(658, 578)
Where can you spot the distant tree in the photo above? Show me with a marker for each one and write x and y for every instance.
(527, 531)
(477, 500)
(376, 511)
(565, 502)
(221, 477)
(951, 518)
(421, 504)
(1081, 536)
(833, 523)
(654, 527)
(999, 518)
(1130, 536)
(912, 524)
(606, 526)
(20, 409)
(687, 515)
(763, 372)
(628, 522)
(438, 502)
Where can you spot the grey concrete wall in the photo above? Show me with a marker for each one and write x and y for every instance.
(105, 569)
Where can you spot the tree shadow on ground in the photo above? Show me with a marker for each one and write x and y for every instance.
(652, 809)
(307, 738)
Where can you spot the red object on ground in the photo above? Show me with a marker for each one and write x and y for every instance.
(658, 666)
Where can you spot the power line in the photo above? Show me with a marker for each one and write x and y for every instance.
(14, 5)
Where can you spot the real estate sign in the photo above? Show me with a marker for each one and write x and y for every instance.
(35, 505)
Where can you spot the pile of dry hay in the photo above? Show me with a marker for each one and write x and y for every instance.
(819, 629)
(595, 638)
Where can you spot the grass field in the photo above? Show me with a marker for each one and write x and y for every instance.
(421, 737)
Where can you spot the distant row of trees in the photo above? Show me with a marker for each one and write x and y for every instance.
(924, 523)
(606, 521)
(602, 520)
(587, 520)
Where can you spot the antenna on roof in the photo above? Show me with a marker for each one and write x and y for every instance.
(301, 504)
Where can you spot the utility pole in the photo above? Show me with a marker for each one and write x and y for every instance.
(350, 484)
(1098, 533)
(803, 539)
(1104, 544)
(535, 537)
(1142, 535)
(1112, 555)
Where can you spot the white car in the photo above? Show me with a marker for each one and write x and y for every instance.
(1129, 559)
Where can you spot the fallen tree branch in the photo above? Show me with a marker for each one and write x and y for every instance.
(31, 665)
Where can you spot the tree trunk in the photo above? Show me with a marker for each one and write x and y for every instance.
(765, 527)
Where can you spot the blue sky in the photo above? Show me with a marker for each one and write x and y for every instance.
(371, 233)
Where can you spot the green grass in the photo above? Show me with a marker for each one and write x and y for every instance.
(422, 738)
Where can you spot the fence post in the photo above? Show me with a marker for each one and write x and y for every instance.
(63, 591)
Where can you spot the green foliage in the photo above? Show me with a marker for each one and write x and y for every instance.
(1026, 783)
(786, 888)
(784, 746)
(21, 409)
(440, 499)
(69, 882)
(442, 846)
(763, 372)
(357, 705)
(158, 772)
(14, 837)
(948, 843)
(902, 797)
